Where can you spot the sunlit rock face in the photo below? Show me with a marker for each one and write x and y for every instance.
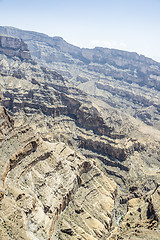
(125, 80)
(71, 165)
(13, 47)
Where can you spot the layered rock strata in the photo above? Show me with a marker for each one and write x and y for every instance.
(72, 167)
(14, 47)
(125, 80)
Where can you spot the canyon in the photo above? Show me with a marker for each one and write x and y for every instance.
(125, 80)
(77, 162)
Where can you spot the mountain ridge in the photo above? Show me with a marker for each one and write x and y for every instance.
(11, 32)
(124, 80)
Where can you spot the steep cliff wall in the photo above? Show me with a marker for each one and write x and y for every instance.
(14, 47)
(71, 166)
(125, 80)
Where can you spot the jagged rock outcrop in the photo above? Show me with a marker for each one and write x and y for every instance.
(40, 179)
(70, 165)
(14, 47)
(6, 123)
(141, 213)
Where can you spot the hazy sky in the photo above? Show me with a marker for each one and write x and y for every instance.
(132, 25)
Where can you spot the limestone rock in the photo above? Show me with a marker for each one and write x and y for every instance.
(14, 47)
(125, 80)
(72, 166)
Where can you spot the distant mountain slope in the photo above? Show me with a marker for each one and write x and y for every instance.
(124, 80)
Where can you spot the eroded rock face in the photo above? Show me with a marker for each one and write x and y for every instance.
(71, 166)
(14, 47)
(40, 179)
(125, 80)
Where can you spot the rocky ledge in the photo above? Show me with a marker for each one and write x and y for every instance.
(14, 47)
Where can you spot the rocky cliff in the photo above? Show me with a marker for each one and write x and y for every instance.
(125, 80)
(14, 47)
(72, 166)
